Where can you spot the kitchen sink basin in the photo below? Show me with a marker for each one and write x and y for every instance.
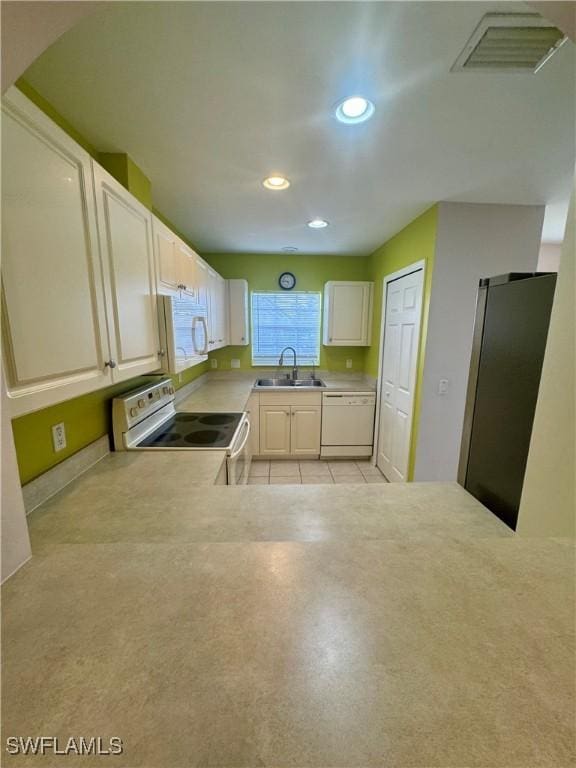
(284, 382)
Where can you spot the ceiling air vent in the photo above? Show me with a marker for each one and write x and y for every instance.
(510, 42)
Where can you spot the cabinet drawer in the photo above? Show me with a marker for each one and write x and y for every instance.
(290, 398)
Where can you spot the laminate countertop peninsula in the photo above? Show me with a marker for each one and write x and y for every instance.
(304, 626)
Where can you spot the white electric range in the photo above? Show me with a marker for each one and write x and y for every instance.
(145, 419)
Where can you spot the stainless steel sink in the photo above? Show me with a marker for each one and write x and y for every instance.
(284, 382)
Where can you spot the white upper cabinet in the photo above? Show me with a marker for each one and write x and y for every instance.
(125, 234)
(186, 259)
(167, 273)
(217, 311)
(347, 313)
(54, 326)
(238, 325)
(175, 262)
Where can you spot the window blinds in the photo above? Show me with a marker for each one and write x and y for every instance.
(285, 320)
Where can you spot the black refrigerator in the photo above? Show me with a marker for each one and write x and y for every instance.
(510, 331)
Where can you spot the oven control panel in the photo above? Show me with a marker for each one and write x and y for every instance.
(138, 404)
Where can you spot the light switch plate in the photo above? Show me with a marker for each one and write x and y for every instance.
(213, 362)
(59, 437)
(234, 363)
(348, 363)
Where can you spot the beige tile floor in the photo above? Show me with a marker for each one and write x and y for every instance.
(313, 473)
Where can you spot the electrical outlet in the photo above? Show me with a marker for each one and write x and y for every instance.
(234, 363)
(348, 363)
(442, 386)
(59, 437)
(213, 362)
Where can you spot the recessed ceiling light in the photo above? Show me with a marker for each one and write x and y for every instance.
(276, 183)
(355, 109)
(317, 224)
(289, 249)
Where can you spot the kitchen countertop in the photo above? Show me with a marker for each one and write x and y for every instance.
(130, 474)
(219, 395)
(288, 625)
(230, 394)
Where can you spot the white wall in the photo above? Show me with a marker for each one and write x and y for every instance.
(473, 241)
(548, 504)
(549, 257)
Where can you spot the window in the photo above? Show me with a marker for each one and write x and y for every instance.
(285, 320)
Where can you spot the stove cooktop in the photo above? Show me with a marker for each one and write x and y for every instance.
(194, 430)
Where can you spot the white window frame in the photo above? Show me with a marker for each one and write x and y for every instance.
(272, 360)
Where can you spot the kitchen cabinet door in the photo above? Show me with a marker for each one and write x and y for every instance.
(187, 270)
(238, 325)
(305, 430)
(167, 273)
(217, 312)
(347, 313)
(125, 233)
(202, 282)
(53, 317)
(274, 430)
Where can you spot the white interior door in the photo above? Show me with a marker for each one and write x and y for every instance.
(400, 361)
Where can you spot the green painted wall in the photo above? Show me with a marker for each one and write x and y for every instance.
(262, 272)
(125, 170)
(61, 121)
(416, 242)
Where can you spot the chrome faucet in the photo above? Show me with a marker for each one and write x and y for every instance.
(295, 368)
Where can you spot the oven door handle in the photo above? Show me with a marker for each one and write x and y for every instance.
(202, 319)
(239, 450)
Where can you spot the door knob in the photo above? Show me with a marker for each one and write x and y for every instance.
(110, 364)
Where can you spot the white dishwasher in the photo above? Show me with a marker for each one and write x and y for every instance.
(347, 423)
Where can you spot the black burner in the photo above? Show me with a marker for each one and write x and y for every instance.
(188, 430)
(204, 437)
(215, 419)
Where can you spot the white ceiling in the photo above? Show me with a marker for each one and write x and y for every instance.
(209, 98)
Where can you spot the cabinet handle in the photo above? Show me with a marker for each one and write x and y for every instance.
(161, 353)
(110, 364)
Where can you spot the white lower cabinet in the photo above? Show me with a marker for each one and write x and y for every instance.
(305, 430)
(290, 424)
(274, 430)
(125, 232)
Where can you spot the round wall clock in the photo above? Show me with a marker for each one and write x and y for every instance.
(286, 281)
